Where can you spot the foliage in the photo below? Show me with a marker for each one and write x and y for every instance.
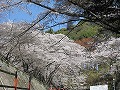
(95, 77)
(103, 12)
(102, 76)
(50, 31)
(83, 31)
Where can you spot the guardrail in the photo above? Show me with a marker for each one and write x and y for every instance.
(15, 81)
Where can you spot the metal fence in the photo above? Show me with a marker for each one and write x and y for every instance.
(15, 81)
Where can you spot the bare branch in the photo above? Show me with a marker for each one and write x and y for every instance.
(60, 12)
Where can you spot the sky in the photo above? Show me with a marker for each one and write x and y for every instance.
(17, 14)
(28, 15)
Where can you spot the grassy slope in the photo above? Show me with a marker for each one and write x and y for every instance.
(83, 31)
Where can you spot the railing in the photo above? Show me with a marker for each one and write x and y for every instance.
(59, 88)
(56, 89)
(15, 81)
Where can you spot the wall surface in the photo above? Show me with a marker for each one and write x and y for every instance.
(99, 87)
(7, 79)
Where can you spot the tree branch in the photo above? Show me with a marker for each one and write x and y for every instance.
(112, 28)
(60, 12)
(11, 5)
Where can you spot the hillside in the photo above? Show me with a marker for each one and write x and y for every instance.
(84, 30)
(52, 59)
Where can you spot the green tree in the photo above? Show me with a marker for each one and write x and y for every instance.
(85, 30)
(50, 31)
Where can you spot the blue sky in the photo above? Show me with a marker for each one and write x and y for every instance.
(21, 15)
(18, 15)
